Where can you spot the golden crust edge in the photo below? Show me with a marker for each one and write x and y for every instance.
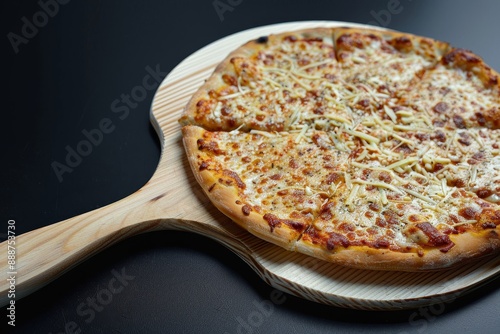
(224, 197)
(440, 47)
(468, 247)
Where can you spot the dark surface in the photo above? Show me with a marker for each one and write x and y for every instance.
(64, 80)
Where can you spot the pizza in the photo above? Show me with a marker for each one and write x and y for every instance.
(366, 148)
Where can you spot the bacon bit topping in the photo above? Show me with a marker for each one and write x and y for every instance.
(401, 43)
(203, 107)
(325, 212)
(488, 225)
(274, 222)
(364, 103)
(381, 222)
(276, 177)
(203, 166)
(229, 80)
(413, 218)
(381, 243)
(468, 212)
(336, 239)
(441, 107)
(478, 155)
(234, 176)
(349, 42)
(374, 207)
(490, 216)
(334, 178)
(459, 121)
(211, 146)
(480, 119)
(282, 192)
(460, 56)
(484, 192)
(435, 237)
(384, 176)
(246, 209)
(446, 248)
(465, 138)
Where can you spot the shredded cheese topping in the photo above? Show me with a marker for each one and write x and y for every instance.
(363, 133)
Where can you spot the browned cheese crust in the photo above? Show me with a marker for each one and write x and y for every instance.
(467, 247)
(366, 148)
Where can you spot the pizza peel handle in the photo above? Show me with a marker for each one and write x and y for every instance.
(167, 201)
(170, 200)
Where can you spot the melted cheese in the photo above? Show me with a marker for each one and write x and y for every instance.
(402, 153)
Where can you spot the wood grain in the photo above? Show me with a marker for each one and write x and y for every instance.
(173, 200)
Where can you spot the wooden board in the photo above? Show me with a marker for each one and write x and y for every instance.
(173, 200)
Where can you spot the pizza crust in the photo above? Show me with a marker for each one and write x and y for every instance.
(468, 247)
(403, 42)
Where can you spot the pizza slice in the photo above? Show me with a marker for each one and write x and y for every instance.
(384, 62)
(265, 83)
(459, 92)
(271, 184)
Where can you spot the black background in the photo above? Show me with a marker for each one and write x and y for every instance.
(64, 79)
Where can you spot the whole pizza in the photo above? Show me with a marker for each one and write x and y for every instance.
(367, 148)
